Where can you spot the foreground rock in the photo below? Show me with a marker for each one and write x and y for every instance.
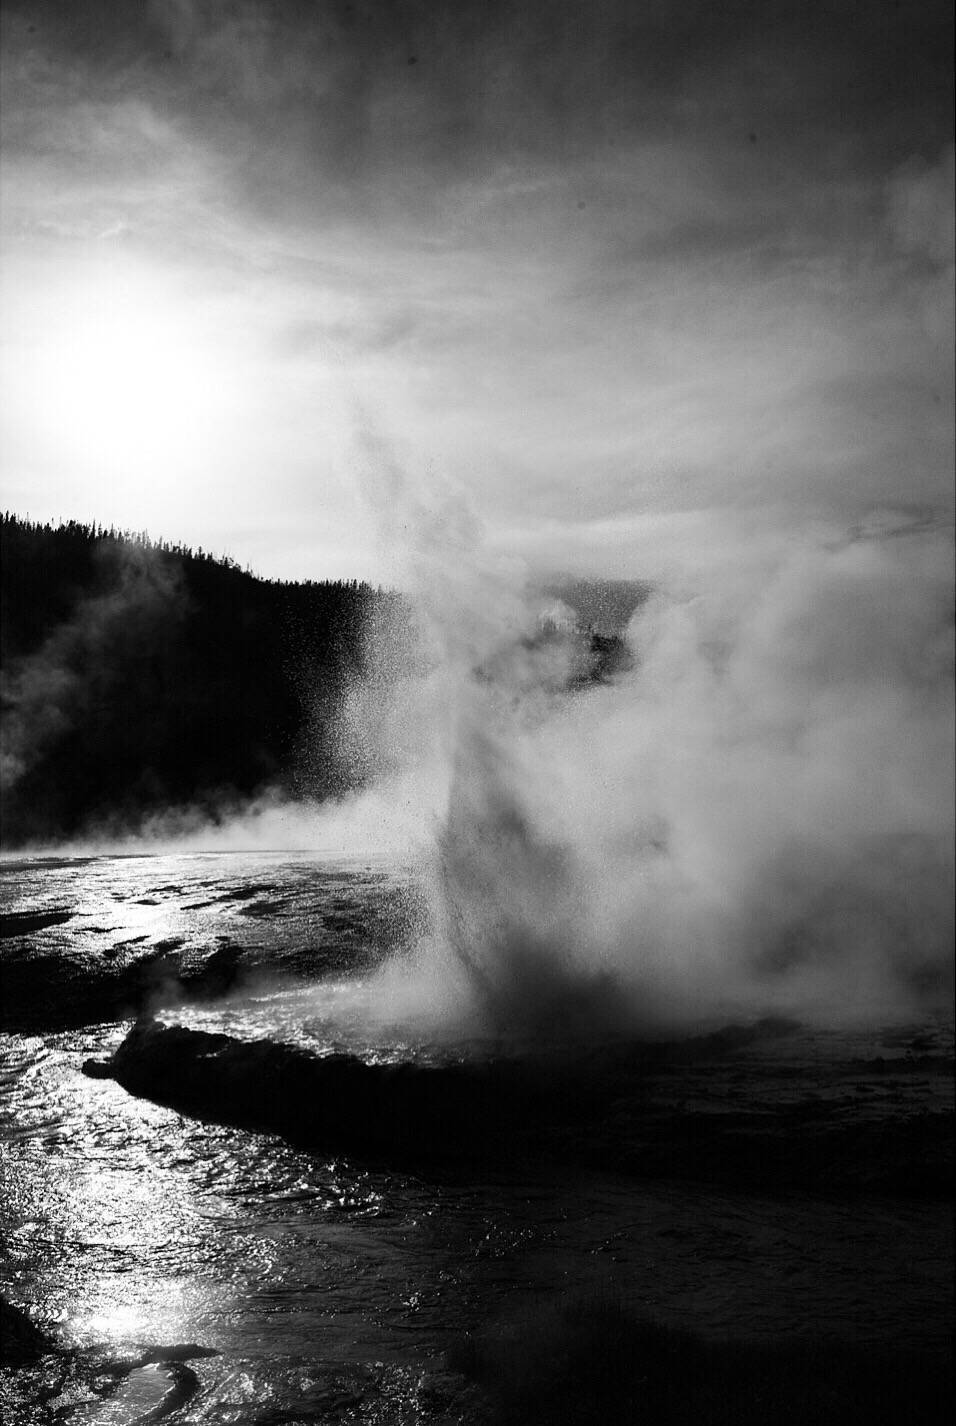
(744, 1106)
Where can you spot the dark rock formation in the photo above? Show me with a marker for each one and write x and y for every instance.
(706, 1109)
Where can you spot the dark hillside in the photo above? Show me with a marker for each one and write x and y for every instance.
(138, 675)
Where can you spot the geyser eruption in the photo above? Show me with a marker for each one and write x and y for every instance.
(510, 904)
(756, 815)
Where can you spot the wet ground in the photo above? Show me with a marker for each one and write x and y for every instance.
(220, 1273)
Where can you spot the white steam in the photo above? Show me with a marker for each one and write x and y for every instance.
(756, 816)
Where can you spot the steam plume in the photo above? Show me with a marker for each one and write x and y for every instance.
(757, 815)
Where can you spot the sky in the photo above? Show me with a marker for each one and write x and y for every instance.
(643, 286)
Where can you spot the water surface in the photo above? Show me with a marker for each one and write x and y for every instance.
(334, 1286)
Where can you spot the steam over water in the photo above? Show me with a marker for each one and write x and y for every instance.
(639, 1017)
(348, 1273)
(641, 1012)
(750, 812)
(756, 814)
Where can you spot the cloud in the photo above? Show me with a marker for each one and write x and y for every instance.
(594, 262)
(396, 94)
(920, 208)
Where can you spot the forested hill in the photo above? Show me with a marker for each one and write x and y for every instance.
(138, 675)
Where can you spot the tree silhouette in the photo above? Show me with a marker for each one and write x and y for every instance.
(137, 674)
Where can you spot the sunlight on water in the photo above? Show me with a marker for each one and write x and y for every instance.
(121, 1324)
(127, 1226)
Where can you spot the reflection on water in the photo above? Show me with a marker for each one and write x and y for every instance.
(322, 1280)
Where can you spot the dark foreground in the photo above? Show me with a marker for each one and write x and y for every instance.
(761, 1106)
(224, 1225)
(587, 1361)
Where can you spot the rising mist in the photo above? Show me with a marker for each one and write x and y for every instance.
(756, 815)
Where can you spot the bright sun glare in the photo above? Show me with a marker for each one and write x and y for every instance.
(125, 383)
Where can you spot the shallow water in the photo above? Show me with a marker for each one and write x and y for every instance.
(331, 1288)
